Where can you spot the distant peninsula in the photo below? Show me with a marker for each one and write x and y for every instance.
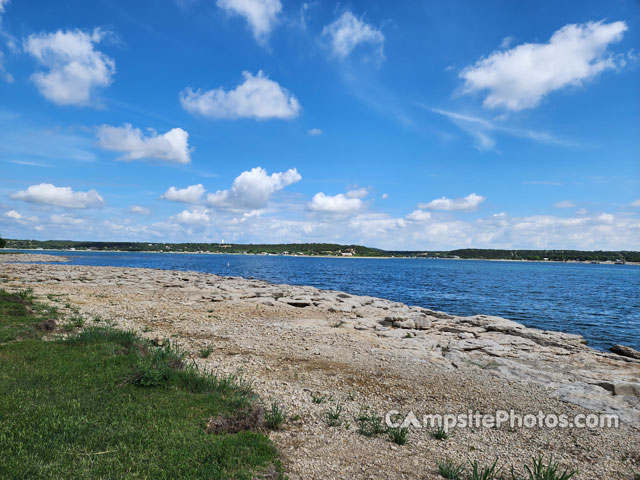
(331, 250)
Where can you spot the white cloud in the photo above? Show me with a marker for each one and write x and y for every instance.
(348, 31)
(65, 219)
(19, 218)
(636, 203)
(191, 194)
(521, 77)
(172, 146)
(137, 209)
(336, 204)
(564, 204)
(261, 14)
(252, 189)
(193, 217)
(257, 97)
(48, 194)
(315, 131)
(419, 216)
(466, 204)
(483, 130)
(75, 68)
(3, 4)
(582, 211)
(384, 196)
(357, 193)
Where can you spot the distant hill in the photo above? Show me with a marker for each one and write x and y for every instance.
(329, 249)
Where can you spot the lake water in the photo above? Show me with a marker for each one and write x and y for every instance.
(600, 302)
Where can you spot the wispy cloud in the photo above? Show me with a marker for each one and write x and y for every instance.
(483, 131)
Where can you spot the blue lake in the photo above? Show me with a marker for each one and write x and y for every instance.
(600, 302)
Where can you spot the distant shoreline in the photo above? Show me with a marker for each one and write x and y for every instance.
(604, 262)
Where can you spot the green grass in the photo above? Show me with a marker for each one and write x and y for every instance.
(105, 403)
(274, 417)
(490, 472)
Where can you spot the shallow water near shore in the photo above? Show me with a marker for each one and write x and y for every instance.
(600, 302)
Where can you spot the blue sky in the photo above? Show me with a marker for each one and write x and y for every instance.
(404, 125)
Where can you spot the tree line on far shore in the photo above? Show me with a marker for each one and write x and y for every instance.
(328, 249)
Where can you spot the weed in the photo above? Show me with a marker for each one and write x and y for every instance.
(408, 335)
(274, 418)
(205, 352)
(333, 415)
(370, 425)
(451, 470)
(440, 433)
(317, 398)
(550, 471)
(398, 435)
(485, 473)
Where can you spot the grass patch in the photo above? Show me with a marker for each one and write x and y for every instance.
(537, 471)
(318, 398)
(370, 425)
(104, 403)
(274, 417)
(333, 415)
(398, 435)
(451, 470)
(440, 433)
(550, 471)
(205, 352)
(490, 472)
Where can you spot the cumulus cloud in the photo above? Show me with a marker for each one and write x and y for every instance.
(522, 76)
(384, 196)
(260, 14)
(635, 203)
(465, 204)
(564, 204)
(193, 217)
(139, 210)
(336, 204)
(75, 68)
(19, 218)
(191, 194)
(349, 31)
(172, 146)
(315, 132)
(252, 189)
(48, 194)
(257, 97)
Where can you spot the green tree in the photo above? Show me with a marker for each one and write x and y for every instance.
(3, 242)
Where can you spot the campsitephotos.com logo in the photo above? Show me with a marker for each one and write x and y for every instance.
(501, 419)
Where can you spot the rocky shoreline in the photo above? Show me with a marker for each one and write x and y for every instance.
(301, 343)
